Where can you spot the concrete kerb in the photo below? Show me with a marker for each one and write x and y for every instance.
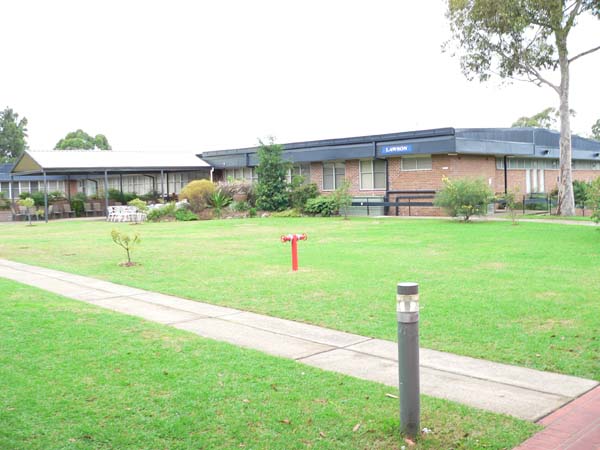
(521, 392)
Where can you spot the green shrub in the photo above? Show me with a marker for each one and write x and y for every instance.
(141, 205)
(580, 192)
(252, 212)
(300, 194)
(292, 212)
(593, 195)
(343, 199)
(77, 204)
(123, 198)
(240, 206)
(151, 196)
(29, 204)
(38, 198)
(55, 196)
(325, 206)
(219, 200)
(198, 193)
(185, 215)
(164, 212)
(464, 197)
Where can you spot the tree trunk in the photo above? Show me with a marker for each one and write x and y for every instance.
(566, 200)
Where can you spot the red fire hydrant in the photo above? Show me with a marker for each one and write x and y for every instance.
(294, 238)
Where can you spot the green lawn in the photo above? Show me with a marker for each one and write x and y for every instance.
(526, 294)
(553, 217)
(74, 376)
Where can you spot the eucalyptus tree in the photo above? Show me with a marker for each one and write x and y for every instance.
(526, 40)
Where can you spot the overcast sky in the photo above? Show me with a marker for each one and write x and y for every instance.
(197, 75)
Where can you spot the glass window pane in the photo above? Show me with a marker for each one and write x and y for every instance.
(380, 181)
(328, 176)
(409, 164)
(366, 181)
(424, 163)
(366, 167)
(339, 179)
(379, 165)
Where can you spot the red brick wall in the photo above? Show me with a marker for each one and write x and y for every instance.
(516, 179)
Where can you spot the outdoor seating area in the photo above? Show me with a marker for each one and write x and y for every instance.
(125, 214)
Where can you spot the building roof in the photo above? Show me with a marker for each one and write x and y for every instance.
(526, 142)
(85, 161)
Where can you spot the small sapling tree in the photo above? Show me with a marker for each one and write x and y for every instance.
(343, 199)
(28, 203)
(510, 199)
(464, 197)
(593, 196)
(128, 243)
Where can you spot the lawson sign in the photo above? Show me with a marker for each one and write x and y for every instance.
(396, 149)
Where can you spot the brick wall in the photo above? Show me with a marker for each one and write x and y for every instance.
(516, 179)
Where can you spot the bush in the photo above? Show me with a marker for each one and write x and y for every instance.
(185, 215)
(300, 194)
(580, 192)
(219, 200)
(321, 206)
(240, 206)
(164, 212)
(123, 198)
(593, 195)
(464, 198)
(198, 193)
(77, 204)
(38, 198)
(343, 199)
(139, 204)
(151, 196)
(252, 212)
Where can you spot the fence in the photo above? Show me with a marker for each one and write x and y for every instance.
(385, 204)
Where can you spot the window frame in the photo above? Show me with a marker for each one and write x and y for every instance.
(335, 175)
(416, 158)
(372, 173)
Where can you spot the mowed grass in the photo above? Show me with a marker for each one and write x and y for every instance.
(525, 295)
(75, 376)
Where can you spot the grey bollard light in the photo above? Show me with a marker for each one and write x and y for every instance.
(407, 312)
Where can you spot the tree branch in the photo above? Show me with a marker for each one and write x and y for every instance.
(591, 50)
(574, 13)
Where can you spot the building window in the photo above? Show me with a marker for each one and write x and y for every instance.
(299, 170)
(242, 173)
(372, 175)
(416, 163)
(333, 175)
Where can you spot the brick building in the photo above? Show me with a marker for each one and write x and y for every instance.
(412, 164)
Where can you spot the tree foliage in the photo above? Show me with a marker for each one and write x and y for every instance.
(543, 119)
(128, 243)
(464, 197)
(13, 134)
(593, 197)
(272, 187)
(523, 39)
(596, 130)
(80, 140)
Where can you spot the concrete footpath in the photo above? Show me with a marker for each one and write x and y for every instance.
(520, 392)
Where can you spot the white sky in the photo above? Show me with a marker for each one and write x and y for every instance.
(199, 75)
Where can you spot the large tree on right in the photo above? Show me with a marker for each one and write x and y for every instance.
(524, 39)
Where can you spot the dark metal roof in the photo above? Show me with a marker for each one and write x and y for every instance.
(531, 142)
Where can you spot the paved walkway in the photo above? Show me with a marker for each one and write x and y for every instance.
(573, 427)
(521, 392)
